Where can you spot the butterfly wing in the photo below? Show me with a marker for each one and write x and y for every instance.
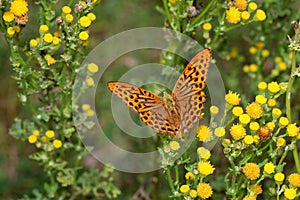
(188, 92)
(151, 108)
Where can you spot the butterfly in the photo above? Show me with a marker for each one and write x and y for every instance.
(172, 114)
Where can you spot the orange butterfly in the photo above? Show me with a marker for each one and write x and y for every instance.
(173, 114)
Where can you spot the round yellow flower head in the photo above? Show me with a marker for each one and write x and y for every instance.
(91, 16)
(184, 189)
(280, 142)
(48, 38)
(290, 193)
(260, 15)
(220, 131)
(90, 82)
(273, 87)
(204, 190)
(252, 50)
(93, 68)
(276, 112)
(240, 4)
(174, 145)
(279, 177)
(265, 53)
(251, 171)
(271, 103)
(32, 139)
(252, 6)
(249, 198)
(90, 113)
(8, 16)
(269, 168)
(57, 144)
(253, 68)
(205, 168)
(254, 110)
(292, 130)
(66, 10)
(203, 153)
(85, 21)
(261, 99)
(193, 193)
(254, 126)
(282, 66)
(204, 133)
(69, 18)
(10, 31)
(237, 111)
(283, 121)
(207, 26)
(294, 180)
(43, 29)
(271, 125)
(262, 86)
(189, 176)
(214, 110)
(257, 189)
(83, 35)
(233, 15)
(232, 98)
(245, 15)
(19, 7)
(248, 139)
(244, 119)
(49, 134)
(237, 132)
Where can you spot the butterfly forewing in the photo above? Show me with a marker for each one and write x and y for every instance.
(151, 108)
(188, 92)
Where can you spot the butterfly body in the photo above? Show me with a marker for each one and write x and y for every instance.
(173, 114)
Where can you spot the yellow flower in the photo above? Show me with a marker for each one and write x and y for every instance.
(10, 31)
(248, 139)
(264, 133)
(256, 139)
(256, 189)
(174, 145)
(253, 68)
(43, 29)
(292, 130)
(279, 177)
(90, 113)
(92, 68)
(204, 133)
(234, 53)
(262, 86)
(261, 99)
(276, 112)
(254, 126)
(249, 198)
(260, 15)
(294, 180)
(283, 121)
(85, 21)
(237, 132)
(274, 72)
(66, 10)
(8, 16)
(278, 59)
(184, 189)
(19, 7)
(220, 132)
(290, 193)
(204, 190)
(189, 176)
(32, 139)
(251, 171)
(245, 15)
(226, 142)
(36, 132)
(283, 86)
(282, 66)
(271, 103)
(55, 40)
(246, 68)
(252, 6)
(233, 15)
(91, 16)
(57, 144)
(83, 35)
(85, 107)
(280, 142)
(237, 111)
(265, 53)
(33, 43)
(232, 98)
(205, 168)
(193, 193)
(244, 119)
(254, 110)
(50, 134)
(273, 87)
(271, 125)
(207, 26)
(240, 4)
(260, 45)
(69, 18)
(214, 110)
(252, 50)
(203, 153)
(90, 82)
(44, 139)
(50, 60)
(48, 37)
(269, 168)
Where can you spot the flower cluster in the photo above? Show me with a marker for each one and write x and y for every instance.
(17, 13)
(241, 11)
(47, 141)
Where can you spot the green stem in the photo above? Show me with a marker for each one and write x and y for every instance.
(168, 15)
(288, 105)
(170, 180)
(199, 17)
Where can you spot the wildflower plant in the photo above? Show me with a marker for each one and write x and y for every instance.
(45, 64)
